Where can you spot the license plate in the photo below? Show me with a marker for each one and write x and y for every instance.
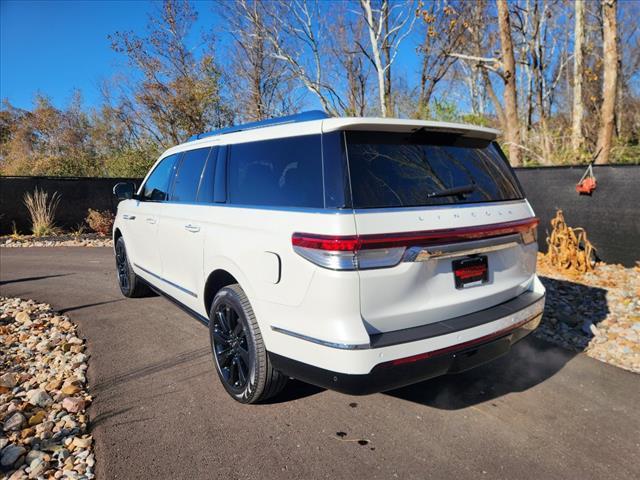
(470, 271)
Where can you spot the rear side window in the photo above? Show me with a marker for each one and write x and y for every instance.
(205, 192)
(185, 187)
(426, 168)
(284, 172)
(156, 188)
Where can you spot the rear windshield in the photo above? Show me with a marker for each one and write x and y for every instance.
(426, 168)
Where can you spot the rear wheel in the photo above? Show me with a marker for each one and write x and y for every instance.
(130, 284)
(238, 350)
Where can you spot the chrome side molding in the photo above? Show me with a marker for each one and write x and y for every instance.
(340, 346)
(175, 285)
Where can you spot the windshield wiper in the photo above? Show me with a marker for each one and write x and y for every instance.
(454, 191)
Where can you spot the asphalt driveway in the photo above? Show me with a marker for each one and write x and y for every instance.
(159, 412)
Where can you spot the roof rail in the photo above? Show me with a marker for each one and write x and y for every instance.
(297, 118)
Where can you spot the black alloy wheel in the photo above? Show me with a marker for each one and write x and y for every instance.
(130, 284)
(231, 347)
(123, 266)
(240, 356)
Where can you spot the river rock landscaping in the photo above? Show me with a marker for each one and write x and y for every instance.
(596, 312)
(43, 395)
(83, 240)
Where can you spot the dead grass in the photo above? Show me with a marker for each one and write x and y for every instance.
(42, 211)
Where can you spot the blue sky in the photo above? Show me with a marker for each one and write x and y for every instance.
(52, 47)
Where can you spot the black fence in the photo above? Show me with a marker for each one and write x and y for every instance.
(77, 195)
(611, 215)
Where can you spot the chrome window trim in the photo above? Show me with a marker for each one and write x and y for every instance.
(341, 211)
(323, 211)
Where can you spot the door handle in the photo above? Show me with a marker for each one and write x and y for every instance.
(192, 228)
(128, 217)
(151, 220)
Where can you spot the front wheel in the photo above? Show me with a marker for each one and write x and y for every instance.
(238, 350)
(130, 284)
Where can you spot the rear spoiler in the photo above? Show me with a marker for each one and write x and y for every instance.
(400, 125)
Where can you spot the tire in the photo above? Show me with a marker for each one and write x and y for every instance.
(130, 284)
(239, 353)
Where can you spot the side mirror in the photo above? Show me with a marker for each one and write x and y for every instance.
(124, 190)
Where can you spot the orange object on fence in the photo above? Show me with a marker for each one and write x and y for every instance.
(587, 183)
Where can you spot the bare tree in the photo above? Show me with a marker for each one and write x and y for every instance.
(179, 94)
(541, 45)
(610, 78)
(473, 54)
(348, 60)
(577, 136)
(627, 117)
(480, 41)
(446, 29)
(388, 25)
(509, 77)
(259, 83)
(299, 41)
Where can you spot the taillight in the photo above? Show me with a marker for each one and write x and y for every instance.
(344, 252)
(358, 252)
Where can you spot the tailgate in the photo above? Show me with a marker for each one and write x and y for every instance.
(422, 288)
(444, 196)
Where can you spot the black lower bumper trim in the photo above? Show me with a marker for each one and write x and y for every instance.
(388, 377)
(456, 324)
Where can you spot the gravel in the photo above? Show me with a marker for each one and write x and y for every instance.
(43, 395)
(84, 240)
(597, 312)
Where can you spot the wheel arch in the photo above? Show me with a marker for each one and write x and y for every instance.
(216, 280)
(116, 235)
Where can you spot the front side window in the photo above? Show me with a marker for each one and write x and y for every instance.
(426, 168)
(156, 188)
(185, 187)
(283, 172)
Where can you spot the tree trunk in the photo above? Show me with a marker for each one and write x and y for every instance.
(509, 77)
(257, 74)
(497, 106)
(577, 137)
(607, 111)
(376, 54)
(386, 49)
(422, 101)
(539, 67)
(620, 87)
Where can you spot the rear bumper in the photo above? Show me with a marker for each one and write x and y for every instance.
(405, 371)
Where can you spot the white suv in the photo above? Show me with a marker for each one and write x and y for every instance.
(357, 254)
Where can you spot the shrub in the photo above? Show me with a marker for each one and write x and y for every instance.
(42, 211)
(100, 222)
(15, 234)
(78, 230)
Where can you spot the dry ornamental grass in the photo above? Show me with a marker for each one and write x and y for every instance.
(42, 211)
